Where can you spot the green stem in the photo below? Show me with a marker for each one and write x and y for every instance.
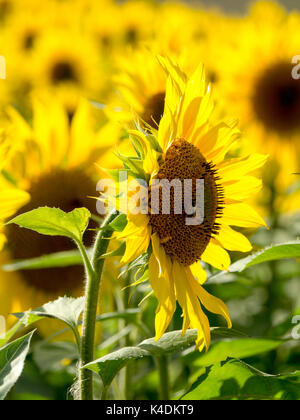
(163, 369)
(94, 269)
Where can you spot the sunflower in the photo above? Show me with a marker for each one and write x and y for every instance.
(187, 145)
(256, 84)
(11, 198)
(55, 167)
(141, 85)
(66, 63)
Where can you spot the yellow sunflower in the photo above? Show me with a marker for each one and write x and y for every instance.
(11, 198)
(66, 62)
(256, 84)
(54, 162)
(187, 146)
(141, 85)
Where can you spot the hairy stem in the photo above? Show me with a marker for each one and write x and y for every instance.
(94, 269)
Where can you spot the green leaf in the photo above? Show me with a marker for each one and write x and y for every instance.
(58, 259)
(119, 223)
(55, 222)
(237, 349)
(272, 253)
(235, 380)
(129, 315)
(108, 366)
(65, 309)
(9, 334)
(119, 252)
(54, 357)
(116, 174)
(174, 342)
(275, 252)
(12, 358)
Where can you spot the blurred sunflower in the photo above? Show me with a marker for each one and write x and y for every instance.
(66, 63)
(256, 83)
(18, 39)
(11, 198)
(141, 86)
(136, 21)
(187, 146)
(54, 163)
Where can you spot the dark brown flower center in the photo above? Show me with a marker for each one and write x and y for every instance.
(131, 36)
(29, 40)
(183, 242)
(63, 71)
(154, 109)
(276, 99)
(66, 190)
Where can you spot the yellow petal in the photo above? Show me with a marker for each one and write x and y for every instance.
(243, 215)
(2, 241)
(211, 303)
(235, 168)
(160, 276)
(219, 136)
(193, 314)
(11, 200)
(199, 272)
(232, 240)
(244, 188)
(216, 256)
(135, 247)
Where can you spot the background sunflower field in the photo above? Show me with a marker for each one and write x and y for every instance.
(76, 76)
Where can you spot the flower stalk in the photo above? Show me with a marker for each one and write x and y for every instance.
(164, 383)
(94, 270)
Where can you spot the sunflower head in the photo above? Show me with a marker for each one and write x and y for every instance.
(188, 147)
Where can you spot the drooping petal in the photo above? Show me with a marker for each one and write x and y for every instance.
(160, 276)
(211, 303)
(193, 314)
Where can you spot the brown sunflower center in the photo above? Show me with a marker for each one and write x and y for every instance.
(66, 190)
(29, 40)
(277, 99)
(63, 71)
(181, 241)
(154, 109)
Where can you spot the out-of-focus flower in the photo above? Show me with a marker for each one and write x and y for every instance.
(54, 162)
(256, 84)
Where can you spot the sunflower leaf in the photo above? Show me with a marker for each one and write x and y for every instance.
(57, 259)
(108, 366)
(12, 358)
(238, 348)
(272, 253)
(6, 337)
(236, 380)
(119, 223)
(65, 309)
(173, 342)
(55, 222)
(275, 252)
